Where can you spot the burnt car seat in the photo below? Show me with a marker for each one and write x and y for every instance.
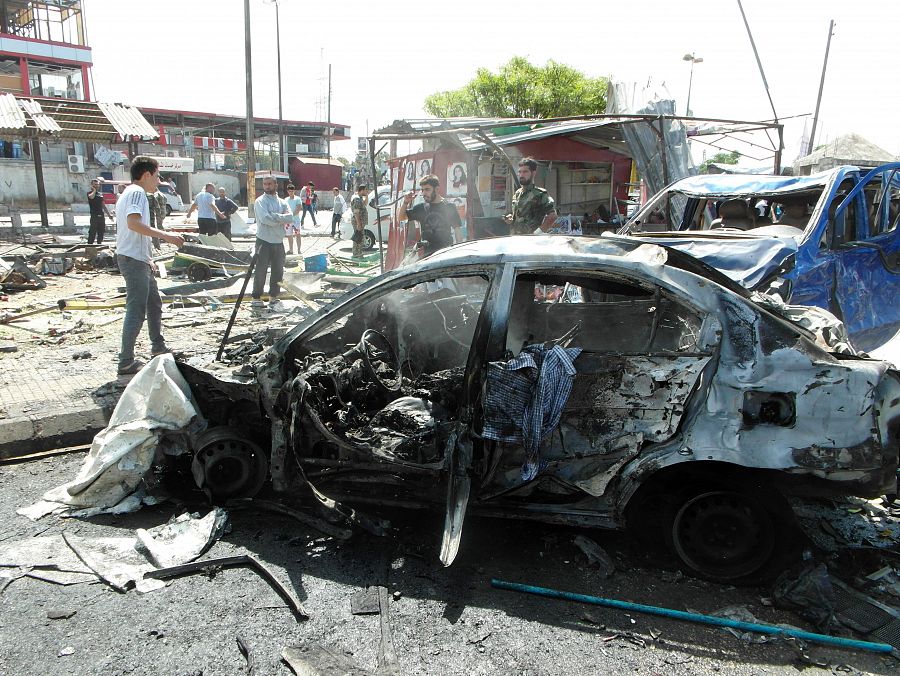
(733, 214)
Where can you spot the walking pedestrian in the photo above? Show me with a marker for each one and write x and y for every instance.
(360, 213)
(207, 211)
(306, 194)
(227, 206)
(134, 258)
(272, 215)
(97, 207)
(337, 212)
(292, 229)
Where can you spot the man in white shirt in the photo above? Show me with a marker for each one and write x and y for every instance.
(337, 212)
(272, 215)
(135, 260)
(207, 211)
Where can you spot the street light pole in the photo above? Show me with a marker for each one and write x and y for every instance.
(281, 153)
(693, 59)
(251, 160)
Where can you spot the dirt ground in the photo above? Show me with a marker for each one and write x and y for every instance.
(441, 620)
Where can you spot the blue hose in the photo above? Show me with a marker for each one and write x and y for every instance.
(769, 629)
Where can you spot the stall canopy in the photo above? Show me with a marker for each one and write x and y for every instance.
(66, 120)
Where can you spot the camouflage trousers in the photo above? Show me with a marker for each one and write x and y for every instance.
(357, 242)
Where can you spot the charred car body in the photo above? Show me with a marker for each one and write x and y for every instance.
(693, 410)
(828, 240)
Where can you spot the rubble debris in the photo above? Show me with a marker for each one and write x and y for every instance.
(58, 614)
(65, 652)
(596, 555)
(245, 651)
(20, 277)
(767, 629)
(312, 659)
(268, 505)
(365, 602)
(113, 560)
(807, 590)
(243, 560)
(184, 539)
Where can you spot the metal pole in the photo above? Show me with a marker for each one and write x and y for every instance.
(812, 133)
(328, 131)
(39, 178)
(687, 109)
(281, 153)
(237, 303)
(377, 206)
(251, 160)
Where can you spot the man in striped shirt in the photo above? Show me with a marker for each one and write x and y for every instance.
(135, 260)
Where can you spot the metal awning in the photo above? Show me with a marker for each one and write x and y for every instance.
(69, 120)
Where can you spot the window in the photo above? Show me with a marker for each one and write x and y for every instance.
(599, 314)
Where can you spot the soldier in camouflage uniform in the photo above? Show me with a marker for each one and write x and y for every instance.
(157, 203)
(360, 215)
(532, 207)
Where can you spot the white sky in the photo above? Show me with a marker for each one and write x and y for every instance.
(388, 56)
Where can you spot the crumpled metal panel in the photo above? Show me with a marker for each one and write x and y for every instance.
(741, 185)
(128, 121)
(41, 119)
(12, 118)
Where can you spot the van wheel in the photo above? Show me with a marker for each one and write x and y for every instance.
(168, 210)
(368, 239)
(733, 535)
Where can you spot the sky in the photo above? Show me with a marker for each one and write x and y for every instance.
(387, 57)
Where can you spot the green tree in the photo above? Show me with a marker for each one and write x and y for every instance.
(732, 157)
(522, 89)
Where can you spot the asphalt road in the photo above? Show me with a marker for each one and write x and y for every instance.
(441, 620)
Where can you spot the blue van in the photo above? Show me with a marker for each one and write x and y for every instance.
(828, 240)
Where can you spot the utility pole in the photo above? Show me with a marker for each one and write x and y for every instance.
(812, 134)
(251, 160)
(281, 153)
(328, 138)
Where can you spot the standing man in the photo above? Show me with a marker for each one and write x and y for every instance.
(306, 194)
(292, 230)
(337, 212)
(207, 212)
(272, 215)
(227, 206)
(157, 202)
(98, 208)
(133, 255)
(360, 215)
(532, 207)
(437, 217)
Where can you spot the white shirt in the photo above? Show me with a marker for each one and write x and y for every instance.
(272, 213)
(339, 205)
(204, 202)
(128, 242)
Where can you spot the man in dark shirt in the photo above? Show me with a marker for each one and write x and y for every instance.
(438, 218)
(98, 208)
(227, 206)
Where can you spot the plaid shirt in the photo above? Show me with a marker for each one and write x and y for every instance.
(525, 397)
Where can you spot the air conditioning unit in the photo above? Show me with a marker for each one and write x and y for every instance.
(76, 164)
(302, 148)
(171, 153)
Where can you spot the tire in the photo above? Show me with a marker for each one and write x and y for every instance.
(369, 240)
(168, 210)
(737, 534)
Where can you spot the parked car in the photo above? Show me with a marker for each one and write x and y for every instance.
(370, 234)
(828, 240)
(173, 199)
(694, 410)
(110, 190)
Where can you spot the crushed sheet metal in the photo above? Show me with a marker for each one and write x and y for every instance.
(41, 119)
(128, 121)
(11, 116)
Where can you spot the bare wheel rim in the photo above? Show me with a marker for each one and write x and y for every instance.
(723, 534)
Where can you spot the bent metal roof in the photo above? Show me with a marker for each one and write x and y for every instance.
(72, 120)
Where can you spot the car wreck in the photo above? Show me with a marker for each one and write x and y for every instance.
(600, 382)
(828, 240)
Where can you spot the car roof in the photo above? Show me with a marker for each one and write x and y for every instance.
(556, 249)
(748, 184)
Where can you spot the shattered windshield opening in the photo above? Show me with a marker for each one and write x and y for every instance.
(385, 380)
(757, 212)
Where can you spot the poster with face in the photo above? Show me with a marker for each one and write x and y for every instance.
(456, 179)
(423, 167)
(409, 175)
(460, 204)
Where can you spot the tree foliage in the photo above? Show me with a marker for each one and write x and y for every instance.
(732, 157)
(522, 89)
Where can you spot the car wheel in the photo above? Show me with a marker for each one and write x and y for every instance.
(368, 239)
(228, 465)
(168, 210)
(727, 535)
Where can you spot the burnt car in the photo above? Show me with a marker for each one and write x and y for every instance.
(693, 410)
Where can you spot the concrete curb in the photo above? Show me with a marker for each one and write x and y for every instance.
(52, 429)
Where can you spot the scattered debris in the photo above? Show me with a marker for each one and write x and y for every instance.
(807, 590)
(60, 614)
(20, 277)
(313, 659)
(596, 555)
(65, 652)
(185, 539)
(245, 651)
(365, 602)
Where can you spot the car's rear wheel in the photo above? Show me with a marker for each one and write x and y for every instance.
(368, 239)
(168, 210)
(724, 535)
